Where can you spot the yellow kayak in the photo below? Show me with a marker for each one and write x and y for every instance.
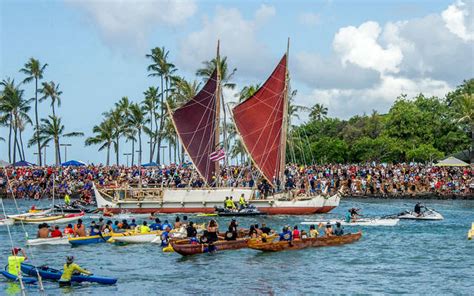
(207, 215)
(470, 234)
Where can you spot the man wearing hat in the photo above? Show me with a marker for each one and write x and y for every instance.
(69, 269)
(14, 261)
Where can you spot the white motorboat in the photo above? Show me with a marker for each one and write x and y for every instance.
(47, 241)
(358, 222)
(428, 214)
(137, 238)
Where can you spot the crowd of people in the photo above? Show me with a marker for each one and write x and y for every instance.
(359, 180)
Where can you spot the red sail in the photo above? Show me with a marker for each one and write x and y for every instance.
(259, 121)
(195, 124)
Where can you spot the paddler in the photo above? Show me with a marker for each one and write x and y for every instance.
(79, 229)
(14, 261)
(43, 231)
(144, 228)
(56, 232)
(94, 229)
(328, 231)
(229, 204)
(286, 234)
(107, 212)
(313, 232)
(69, 269)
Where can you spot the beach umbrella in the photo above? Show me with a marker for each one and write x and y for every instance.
(74, 163)
(150, 164)
(23, 163)
(452, 162)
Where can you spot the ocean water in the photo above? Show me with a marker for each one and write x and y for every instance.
(415, 257)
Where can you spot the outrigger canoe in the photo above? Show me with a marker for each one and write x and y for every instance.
(184, 248)
(6, 222)
(57, 219)
(11, 277)
(358, 222)
(47, 241)
(49, 273)
(31, 214)
(88, 240)
(323, 241)
(136, 238)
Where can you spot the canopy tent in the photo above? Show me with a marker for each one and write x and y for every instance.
(4, 163)
(74, 163)
(150, 164)
(451, 162)
(23, 163)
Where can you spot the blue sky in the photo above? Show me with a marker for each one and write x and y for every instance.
(352, 56)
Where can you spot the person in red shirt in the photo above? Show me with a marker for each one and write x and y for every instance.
(56, 232)
(69, 231)
(296, 233)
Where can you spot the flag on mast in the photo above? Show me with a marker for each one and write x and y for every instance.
(217, 155)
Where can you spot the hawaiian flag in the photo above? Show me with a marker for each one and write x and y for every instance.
(217, 155)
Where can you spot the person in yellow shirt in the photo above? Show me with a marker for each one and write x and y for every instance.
(69, 269)
(14, 261)
(144, 228)
(67, 199)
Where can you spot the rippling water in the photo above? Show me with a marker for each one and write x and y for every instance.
(415, 257)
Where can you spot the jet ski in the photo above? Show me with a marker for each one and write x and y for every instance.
(72, 208)
(250, 210)
(427, 214)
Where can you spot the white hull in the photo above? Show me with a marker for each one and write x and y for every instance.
(359, 222)
(47, 241)
(205, 200)
(24, 215)
(138, 238)
(6, 222)
(53, 219)
(428, 215)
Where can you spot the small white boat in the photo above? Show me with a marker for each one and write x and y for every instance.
(137, 238)
(47, 241)
(429, 214)
(6, 222)
(56, 219)
(31, 214)
(358, 222)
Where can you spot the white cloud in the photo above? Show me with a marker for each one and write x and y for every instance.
(309, 18)
(459, 19)
(130, 22)
(239, 41)
(360, 46)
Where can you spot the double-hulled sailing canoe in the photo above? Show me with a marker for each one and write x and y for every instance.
(183, 247)
(323, 241)
(261, 121)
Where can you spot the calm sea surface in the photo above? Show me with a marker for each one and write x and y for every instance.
(413, 258)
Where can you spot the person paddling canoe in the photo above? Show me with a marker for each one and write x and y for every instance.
(69, 269)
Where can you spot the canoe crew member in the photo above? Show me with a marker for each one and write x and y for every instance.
(242, 202)
(177, 223)
(43, 230)
(133, 225)
(328, 231)
(253, 232)
(231, 233)
(69, 231)
(232, 203)
(156, 225)
(339, 230)
(191, 230)
(79, 229)
(348, 216)
(313, 232)
(69, 269)
(225, 202)
(286, 234)
(14, 261)
(296, 233)
(67, 199)
(144, 228)
(115, 226)
(212, 231)
(166, 224)
(56, 232)
(108, 227)
(101, 223)
(94, 229)
(185, 221)
(265, 229)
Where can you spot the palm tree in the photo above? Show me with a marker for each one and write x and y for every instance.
(117, 122)
(15, 113)
(149, 106)
(104, 136)
(136, 120)
(34, 70)
(51, 90)
(160, 67)
(465, 111)
(318, 112)
(51, 129)
(225, 76)
(247, 91)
